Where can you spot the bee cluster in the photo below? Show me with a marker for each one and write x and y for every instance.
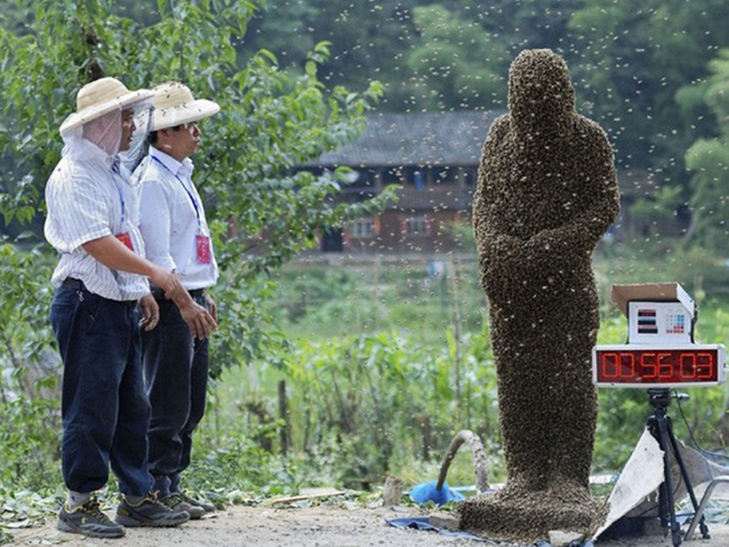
(547, 192)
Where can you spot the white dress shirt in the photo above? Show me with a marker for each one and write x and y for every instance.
(89, 196)
(172, 216)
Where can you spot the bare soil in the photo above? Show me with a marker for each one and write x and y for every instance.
(300, 527)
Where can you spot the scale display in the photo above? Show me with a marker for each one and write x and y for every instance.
(650, 366)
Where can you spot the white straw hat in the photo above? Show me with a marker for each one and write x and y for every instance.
(175, 105)
(101, 97)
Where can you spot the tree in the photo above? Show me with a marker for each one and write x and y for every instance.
(264, 211)
(637, 58)
(708, 160)
(456, 64)
(371, 38)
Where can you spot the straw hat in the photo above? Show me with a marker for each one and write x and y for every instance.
(101, 97)
(175, 105)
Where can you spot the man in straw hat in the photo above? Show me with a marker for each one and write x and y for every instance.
(177, 237)
(100, 278)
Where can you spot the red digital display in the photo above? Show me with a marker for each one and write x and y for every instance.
(656, 366)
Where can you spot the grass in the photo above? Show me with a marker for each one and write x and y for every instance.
(404, 298)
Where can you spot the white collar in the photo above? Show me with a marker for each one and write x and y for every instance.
(186, 165)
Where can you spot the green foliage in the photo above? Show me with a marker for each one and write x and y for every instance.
(264, 212)
(369, 38)
(363, 407)
(232, 468)
(30, 424)
(32, 427)
(25, 335)
(400, 297)
(386, 401)
(456, 65)
(29, 406)
(358, 405)
(654, 211)
(708, 159)
(424, 350)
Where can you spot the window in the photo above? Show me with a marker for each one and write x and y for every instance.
(362, 228)
(416, 226)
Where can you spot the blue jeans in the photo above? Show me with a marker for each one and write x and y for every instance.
(176, 371)
(104, 406)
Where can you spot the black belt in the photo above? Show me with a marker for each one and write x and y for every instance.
(78, 285)
(159, 294)
(73, 283)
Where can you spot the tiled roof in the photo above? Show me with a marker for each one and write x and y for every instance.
(434, 138)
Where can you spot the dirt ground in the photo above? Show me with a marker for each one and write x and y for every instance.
(299, 527)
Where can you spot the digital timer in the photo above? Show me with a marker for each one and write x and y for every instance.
(655, 367)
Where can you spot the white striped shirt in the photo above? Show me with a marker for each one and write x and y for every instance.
(87, 200)
(169, 218)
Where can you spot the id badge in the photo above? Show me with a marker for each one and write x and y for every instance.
(203, 249)
(126, 239)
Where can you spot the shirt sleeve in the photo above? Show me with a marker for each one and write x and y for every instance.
(155, 223)
(78, 213)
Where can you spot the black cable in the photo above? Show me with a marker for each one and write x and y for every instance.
(713, 455)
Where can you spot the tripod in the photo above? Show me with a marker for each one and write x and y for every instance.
(660, 426)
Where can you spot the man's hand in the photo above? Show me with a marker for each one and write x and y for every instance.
(201, 323)
(212, 306)
(150, 312)
(167, 281)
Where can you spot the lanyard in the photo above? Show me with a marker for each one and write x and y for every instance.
(189, 194)
(116, 173)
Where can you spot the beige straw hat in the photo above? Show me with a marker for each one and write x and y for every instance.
(101, 97)
(175, 105)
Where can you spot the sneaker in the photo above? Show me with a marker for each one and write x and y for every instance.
(148, 512)
(89, 520)
(207, 507)
(176, 502)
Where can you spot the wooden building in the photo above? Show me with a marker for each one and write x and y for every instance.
(435, 158)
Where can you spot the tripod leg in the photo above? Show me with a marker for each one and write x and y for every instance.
(663, 509)
(670, 514)
(684, 473)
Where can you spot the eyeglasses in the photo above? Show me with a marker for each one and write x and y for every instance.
(186, 126)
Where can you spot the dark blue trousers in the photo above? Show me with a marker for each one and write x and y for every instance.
(104, 406)
(176, 371)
